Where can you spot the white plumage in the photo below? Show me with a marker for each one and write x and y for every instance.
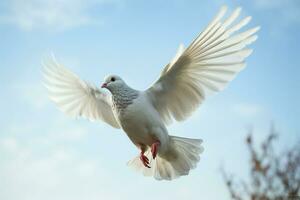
(207, 64)
(76, 97)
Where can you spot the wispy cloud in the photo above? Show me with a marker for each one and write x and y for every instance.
(247, 109)
(34, 176)
(269, 3)
(287, 9)
(54, 15)
(9, 144)
(32, 93)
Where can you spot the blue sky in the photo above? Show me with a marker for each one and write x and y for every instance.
(46, 155)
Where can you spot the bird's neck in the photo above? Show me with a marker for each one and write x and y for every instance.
(123, 96)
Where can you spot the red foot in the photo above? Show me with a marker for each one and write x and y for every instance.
(154, 149)
(144, 160)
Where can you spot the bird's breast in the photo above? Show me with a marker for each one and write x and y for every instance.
(137, 121)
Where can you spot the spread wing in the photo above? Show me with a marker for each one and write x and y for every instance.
(211, 61)
(76, 97)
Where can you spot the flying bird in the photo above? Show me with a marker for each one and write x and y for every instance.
(211, 61)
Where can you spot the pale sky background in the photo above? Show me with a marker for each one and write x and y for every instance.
(45, 155)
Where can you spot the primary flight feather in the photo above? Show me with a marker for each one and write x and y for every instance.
(212, 60)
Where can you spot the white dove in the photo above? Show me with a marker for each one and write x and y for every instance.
(208, 64)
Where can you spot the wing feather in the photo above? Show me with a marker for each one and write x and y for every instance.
(76, 97)
(211, 61)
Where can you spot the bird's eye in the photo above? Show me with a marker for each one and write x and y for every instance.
(112, 79)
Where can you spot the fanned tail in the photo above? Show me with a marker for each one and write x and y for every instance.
(182, 156)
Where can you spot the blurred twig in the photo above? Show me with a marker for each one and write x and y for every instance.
(272, 176)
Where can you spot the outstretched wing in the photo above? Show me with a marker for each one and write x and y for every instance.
(76, 97)
(208, 64)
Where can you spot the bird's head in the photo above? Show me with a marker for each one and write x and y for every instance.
(112, 82)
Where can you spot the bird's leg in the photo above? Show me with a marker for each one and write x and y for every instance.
(154, 148)
(144, 158)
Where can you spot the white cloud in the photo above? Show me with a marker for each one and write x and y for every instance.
(54, 15)
(32, 93)
(76, 133)
(287, 9)
(62, 174)
(9, 144)
(247, 109)
(269, 3)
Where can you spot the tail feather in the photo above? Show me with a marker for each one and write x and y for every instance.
(181, 157)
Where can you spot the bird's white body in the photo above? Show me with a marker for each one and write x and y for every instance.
(142, 123)
(209, 63)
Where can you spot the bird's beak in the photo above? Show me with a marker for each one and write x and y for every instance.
(104, 85)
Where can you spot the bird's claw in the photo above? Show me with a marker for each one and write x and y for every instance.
(145, 160)
(154, 149)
